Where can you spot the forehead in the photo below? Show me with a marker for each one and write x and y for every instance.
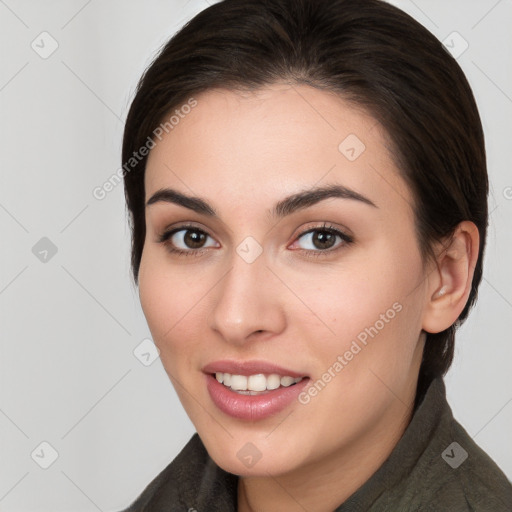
(280, 136)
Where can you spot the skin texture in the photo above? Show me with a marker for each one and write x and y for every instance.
(242, 153)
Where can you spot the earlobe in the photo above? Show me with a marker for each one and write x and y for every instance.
(449, 284)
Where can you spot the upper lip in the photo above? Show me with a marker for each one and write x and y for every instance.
(247, 368)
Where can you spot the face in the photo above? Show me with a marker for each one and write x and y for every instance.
(265, 282)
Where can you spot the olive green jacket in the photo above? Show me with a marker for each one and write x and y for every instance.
(435, 467)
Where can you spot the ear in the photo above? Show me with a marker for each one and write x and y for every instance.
(449, 283)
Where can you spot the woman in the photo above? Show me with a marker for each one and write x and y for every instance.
(307, 187)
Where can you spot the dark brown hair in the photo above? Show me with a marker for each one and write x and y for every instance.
(369, 53)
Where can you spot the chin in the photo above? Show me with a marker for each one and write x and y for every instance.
(251, 455)
(262, 468)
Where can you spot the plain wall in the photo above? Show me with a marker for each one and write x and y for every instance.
(70, 321)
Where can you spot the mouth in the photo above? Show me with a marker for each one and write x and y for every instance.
(252, 390)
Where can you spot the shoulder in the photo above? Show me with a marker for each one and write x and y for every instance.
(436, 466)
(192, 481)
(466, 479)
(453, 472)
(171, 477)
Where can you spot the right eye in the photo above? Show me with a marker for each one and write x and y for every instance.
(187, 240)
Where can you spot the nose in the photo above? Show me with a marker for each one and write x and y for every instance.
(246, 302)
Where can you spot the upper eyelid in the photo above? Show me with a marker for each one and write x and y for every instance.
(326, 226)
(182, 227)
(346, 237)
(169, 232)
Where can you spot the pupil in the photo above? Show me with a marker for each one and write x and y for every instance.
(323, 239)
(194, 239)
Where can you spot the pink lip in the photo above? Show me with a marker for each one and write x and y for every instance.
(249, 368)
(251, 407)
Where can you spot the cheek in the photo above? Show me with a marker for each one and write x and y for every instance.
(171, 301)
(346, 308)
(375, 299)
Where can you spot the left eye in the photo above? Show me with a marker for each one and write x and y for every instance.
(321, 239)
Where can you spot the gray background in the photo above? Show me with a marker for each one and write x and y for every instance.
(71, 321)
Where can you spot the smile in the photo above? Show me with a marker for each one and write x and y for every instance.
(255, 384)
(252, 390)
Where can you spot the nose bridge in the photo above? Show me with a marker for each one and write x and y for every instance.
(245, 302)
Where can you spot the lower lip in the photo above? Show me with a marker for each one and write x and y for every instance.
(252, 407)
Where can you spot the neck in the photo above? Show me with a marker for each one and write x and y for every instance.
(326, 483)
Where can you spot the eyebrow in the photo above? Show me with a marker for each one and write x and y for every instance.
(284, 207)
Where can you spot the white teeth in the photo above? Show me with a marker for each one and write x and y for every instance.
(287, 381)
(255, 383)
(239, 382)
(273, 381)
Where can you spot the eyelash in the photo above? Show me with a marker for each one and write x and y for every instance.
(346, 239)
